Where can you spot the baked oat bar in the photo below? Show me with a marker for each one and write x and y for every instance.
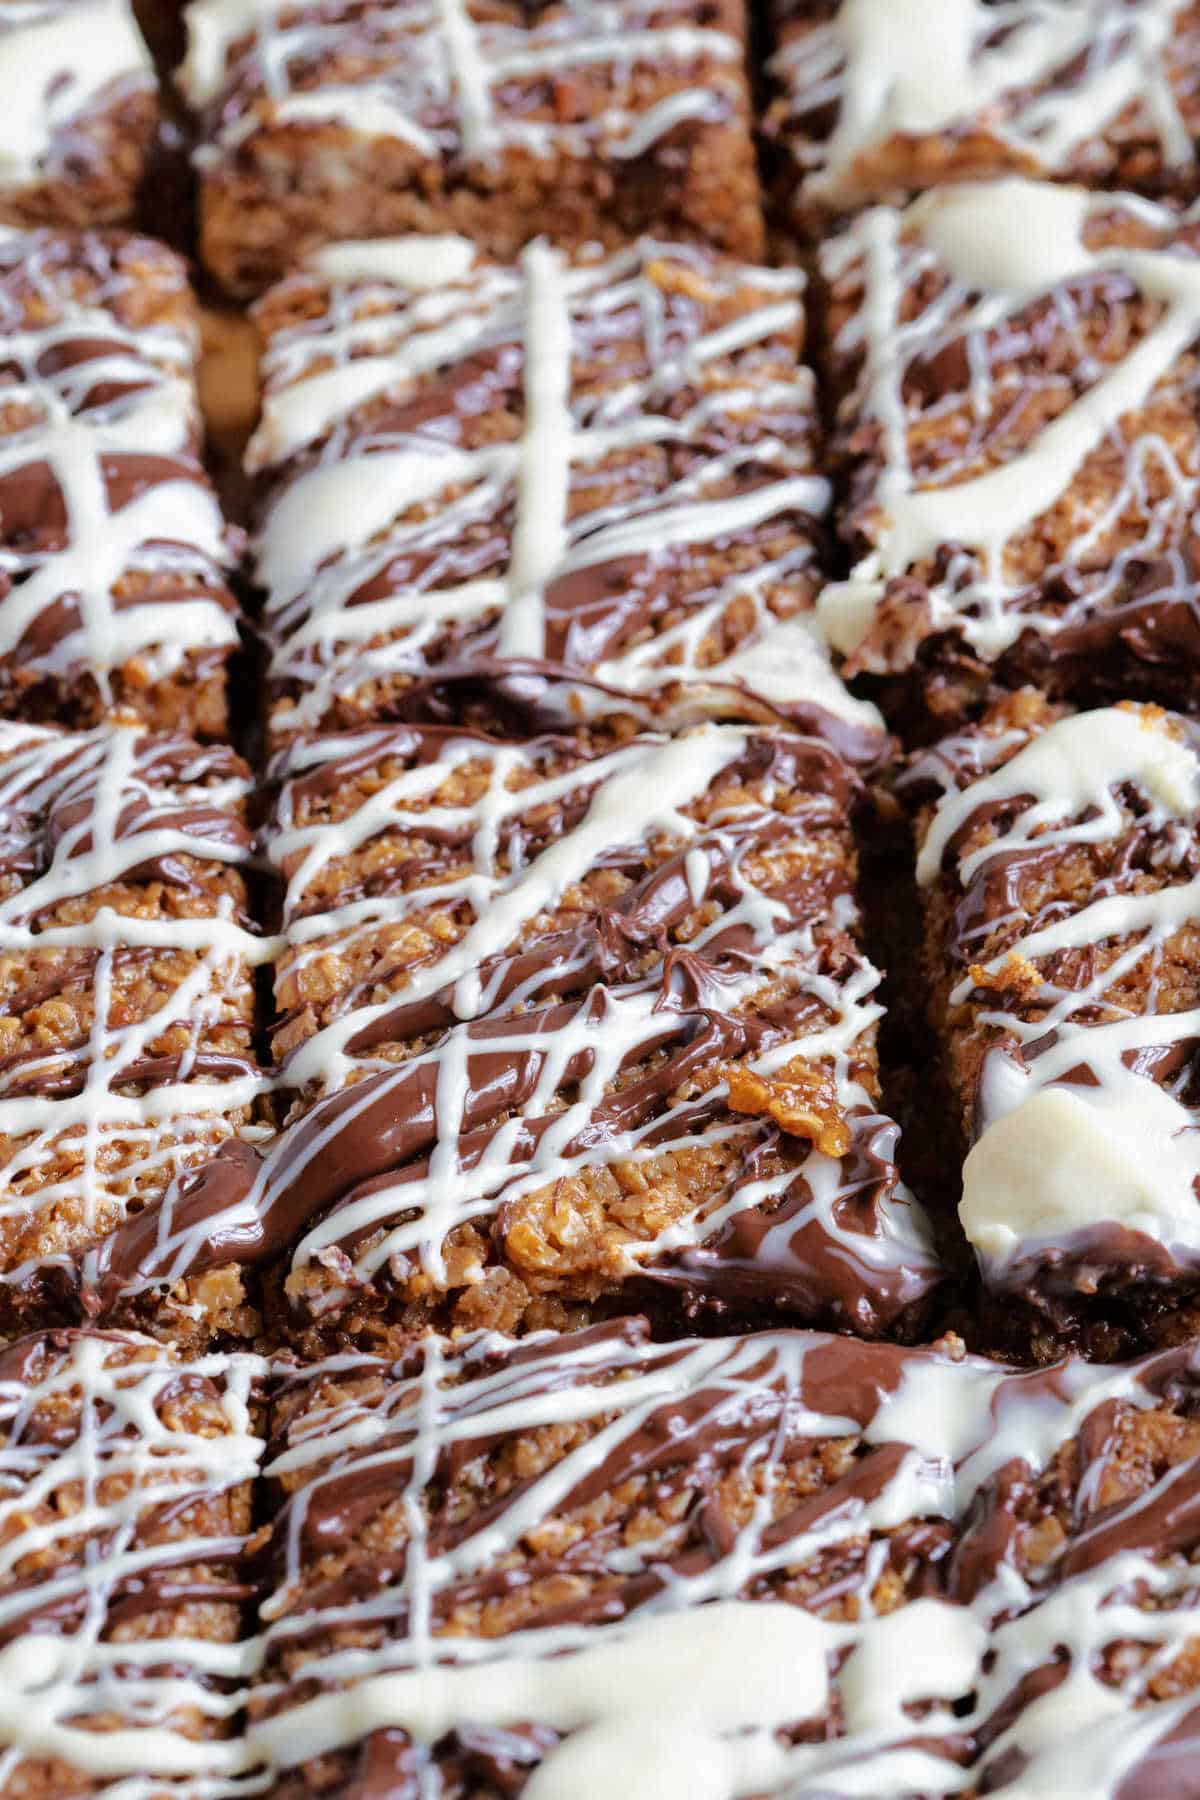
(1059, 861)
(567, 1021)
(80, 118)
(125, 1501)
(114, 558)
(883, 99)
(127, 1058)
(777, 1565)
(589, 122)
(1014, 367)
(562, 489)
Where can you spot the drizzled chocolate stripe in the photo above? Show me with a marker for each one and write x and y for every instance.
(490, 1559)
(452, 85)
(125, 1476)
(666, 571)
(565, 1017)
(113, 552)
(127, 1053)
(81, 112)
(1014, 368)
(1085, 90)
(587, 124)
(1060, 863)
(971, 1569)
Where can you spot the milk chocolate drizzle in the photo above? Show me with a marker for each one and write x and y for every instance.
(938, 1478)
(632, 925)
(455, 86)
(664, 575)
(113, 553)
(993, 1567)
(124, 1481)
(1063, 925)
(1086, 90)
(997, 377)
(120, 855)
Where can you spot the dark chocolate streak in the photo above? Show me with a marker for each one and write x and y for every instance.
(377, 1135)
(595, 613)
(398, 41)
(1146, 640)
(82, 817)
(51, 788)
(30, 1437)
(1010, 896)
(682, 1451)
(700, 1430)
(48, 279)
(518, 697)
(721, 1420)
(1123, 619)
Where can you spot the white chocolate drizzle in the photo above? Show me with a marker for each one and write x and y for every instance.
(441, 80)
(687, 1653)
(109, 419)
(357, 505)
(651, 1664)
(1040, 79)
(633, 793)
(1069, 772)
(993, 252)
(145, 1714)
(59, 60)
(88, 1127)
(628, 806)
(1073, 1136)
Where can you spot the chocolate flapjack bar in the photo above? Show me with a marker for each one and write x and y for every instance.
(784, 1565)
(1014, 366)
(127, 1055)
(114, 558)
(563, 1017)
(1058, 857)
(560, 489)
(125, 1500)
(883, 99)
(329, 119)
(81, 113)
